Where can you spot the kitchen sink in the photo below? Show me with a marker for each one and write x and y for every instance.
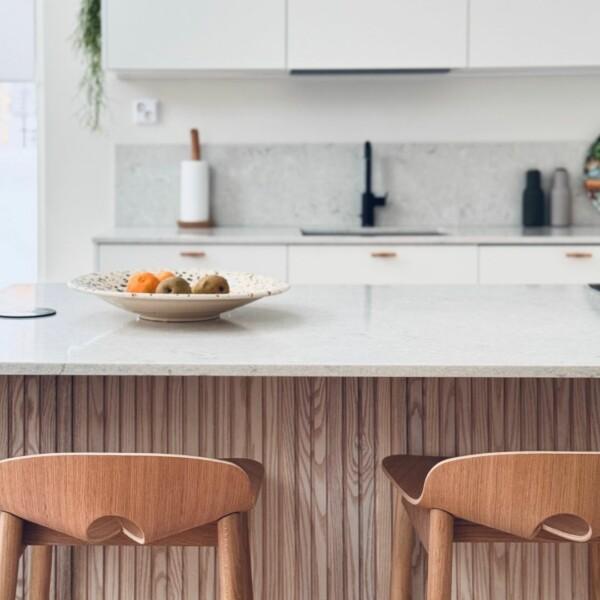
(372, 231)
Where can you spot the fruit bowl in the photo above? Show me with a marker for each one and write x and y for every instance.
(244, 288)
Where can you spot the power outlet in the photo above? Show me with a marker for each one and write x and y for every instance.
(145, 111)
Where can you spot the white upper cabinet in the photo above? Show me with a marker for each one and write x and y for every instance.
(376, 34)
(534, 33)
(194, 35)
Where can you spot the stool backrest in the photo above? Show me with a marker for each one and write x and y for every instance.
(94, 497)
(521, 492)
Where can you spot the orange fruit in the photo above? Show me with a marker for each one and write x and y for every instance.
(164, 275)
(144, 283)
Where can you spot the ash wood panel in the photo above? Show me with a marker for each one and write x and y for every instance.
(322, 442)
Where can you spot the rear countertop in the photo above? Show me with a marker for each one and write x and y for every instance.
(293, 236)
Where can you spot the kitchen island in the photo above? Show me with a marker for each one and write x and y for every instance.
(318, 384)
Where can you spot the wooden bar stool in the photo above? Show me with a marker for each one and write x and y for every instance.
(125, 499)
(502, 497)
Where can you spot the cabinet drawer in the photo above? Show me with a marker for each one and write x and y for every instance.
(374, 265)
(266, 260)
(539, 264)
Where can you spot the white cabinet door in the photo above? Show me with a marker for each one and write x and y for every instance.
(534, 33)
(378, 34)
(194, 34)
(539, 264)
(382, 265)
(264, 260)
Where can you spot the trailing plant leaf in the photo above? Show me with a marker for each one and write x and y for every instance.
(88, 41)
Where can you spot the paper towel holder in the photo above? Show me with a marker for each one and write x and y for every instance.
(195, 199)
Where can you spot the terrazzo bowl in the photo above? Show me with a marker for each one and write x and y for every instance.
(244, 288)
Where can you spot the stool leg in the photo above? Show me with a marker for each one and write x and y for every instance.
(594, 570)
(402, 546)
(11, 539)
(235, 575)
(441, 532)
(40, 571)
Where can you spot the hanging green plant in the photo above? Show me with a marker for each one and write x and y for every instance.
(88, 41)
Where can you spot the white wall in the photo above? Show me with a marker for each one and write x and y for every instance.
(394, 109)
(16, 40)
(77, 168)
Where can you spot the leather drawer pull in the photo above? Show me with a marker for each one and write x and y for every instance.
(384, 254)
(193, 254)
(579, 255)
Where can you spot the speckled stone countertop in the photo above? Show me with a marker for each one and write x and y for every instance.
(457, 331)
(293, 236)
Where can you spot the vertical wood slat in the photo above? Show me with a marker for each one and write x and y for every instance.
(32, 446)
(159, 445)
(580, 440)
(79, 570)
(546, 418)
(463, 572)
(63, 560)
(498, 552)
(367, 531)
(96, 422)
(529, 441)
(415, 446)
(514, 552)
(175, 442)
(564, 552)
(480, 443)
(143, 443)
(127, 443)
(323, 440)
(207, 426)
(594, 552)
(112, 443)
(352, 488)
(191, 446)
(319, 492)
(255, 451)
(382, 440)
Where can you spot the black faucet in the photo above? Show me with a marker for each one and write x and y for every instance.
(369, 199)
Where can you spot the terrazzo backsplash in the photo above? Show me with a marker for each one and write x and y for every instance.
(320, 184)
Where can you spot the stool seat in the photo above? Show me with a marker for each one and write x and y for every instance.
(495, 497)
(126, 499)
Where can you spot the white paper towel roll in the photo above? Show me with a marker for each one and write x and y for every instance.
(194, 206)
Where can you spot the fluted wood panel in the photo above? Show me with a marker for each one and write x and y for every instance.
(322, 527)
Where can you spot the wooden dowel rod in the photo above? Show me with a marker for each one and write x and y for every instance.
(196, 150)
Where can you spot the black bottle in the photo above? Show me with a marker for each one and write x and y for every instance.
(534, 204)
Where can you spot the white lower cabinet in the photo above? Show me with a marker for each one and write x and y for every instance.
(539, 264)
(374, 265)
(265, 260)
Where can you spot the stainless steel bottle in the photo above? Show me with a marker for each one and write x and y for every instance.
(560, 199)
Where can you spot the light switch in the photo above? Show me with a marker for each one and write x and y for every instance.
(145, 111)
